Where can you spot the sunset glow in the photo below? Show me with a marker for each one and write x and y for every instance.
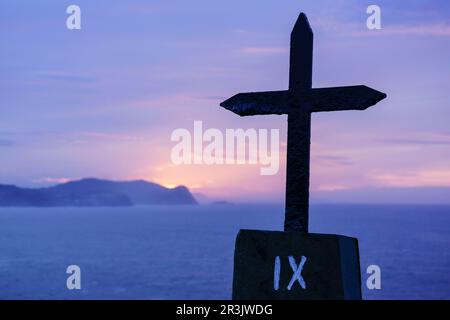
(74, 106)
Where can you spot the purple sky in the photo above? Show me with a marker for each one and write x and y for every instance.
(103, 101)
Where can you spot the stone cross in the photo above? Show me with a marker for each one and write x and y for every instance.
(298, 103)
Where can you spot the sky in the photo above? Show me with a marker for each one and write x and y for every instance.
(103, 101)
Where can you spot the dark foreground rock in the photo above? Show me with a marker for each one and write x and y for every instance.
(295, 266)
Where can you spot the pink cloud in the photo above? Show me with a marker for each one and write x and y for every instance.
(52, 180)
(441, 30)
(109, 136)
(424, 178)
(264, 50)
(421, 30)
(352, 28)
(331, 187)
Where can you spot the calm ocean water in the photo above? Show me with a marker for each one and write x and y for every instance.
(186, 252)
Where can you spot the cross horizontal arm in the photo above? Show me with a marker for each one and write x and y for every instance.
(340, 98)
(312, 100)
(256, 103)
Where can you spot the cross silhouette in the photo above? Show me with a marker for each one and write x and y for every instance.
(298, 103)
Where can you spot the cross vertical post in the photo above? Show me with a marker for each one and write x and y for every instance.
(299, 129)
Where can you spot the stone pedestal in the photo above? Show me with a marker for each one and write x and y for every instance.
(295, 266)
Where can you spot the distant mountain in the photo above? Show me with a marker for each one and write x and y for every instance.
(95, 192)
(221, 203)
(204, 199)
(201, 198)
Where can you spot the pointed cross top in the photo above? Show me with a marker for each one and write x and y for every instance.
(301, 25)
(300, 70)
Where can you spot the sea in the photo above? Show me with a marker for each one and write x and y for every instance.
(186, 252)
